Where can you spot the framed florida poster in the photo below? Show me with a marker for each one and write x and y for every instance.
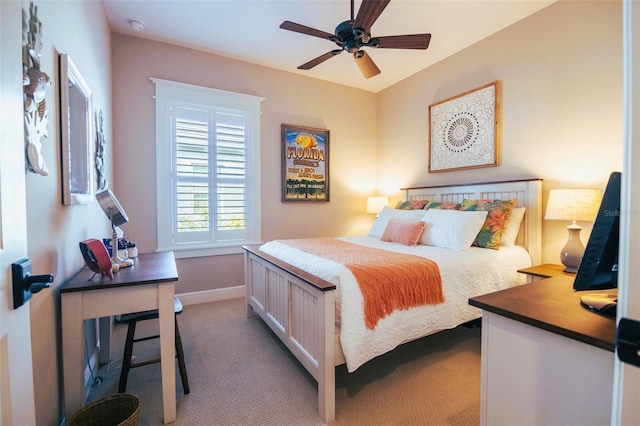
(305, 163)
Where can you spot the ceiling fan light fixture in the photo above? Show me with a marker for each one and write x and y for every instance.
(367, 67)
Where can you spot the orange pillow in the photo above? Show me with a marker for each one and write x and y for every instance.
(403, 232)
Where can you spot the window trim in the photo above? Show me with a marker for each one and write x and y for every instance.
(168, 92)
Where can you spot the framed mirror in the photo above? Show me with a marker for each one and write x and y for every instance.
(76, 112)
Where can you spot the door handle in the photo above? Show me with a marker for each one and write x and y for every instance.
(628, 341)
(25, 284)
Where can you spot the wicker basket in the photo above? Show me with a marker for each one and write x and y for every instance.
(121, 409)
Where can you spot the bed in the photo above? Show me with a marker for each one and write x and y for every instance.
(308, 301)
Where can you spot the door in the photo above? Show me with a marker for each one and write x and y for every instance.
(16, 373)
(626, 381)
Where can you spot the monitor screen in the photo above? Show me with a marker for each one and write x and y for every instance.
(599, 266)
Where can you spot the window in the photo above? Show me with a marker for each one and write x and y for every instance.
(208, 169)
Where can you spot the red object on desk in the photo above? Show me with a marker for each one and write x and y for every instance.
(96, 257)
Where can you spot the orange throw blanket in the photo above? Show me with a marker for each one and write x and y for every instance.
(387, 280)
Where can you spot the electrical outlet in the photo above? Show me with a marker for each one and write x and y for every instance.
(21, 271)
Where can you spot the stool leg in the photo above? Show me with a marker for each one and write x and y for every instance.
(181, 365)
(126, 359)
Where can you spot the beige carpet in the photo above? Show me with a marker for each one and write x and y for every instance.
(240, 374)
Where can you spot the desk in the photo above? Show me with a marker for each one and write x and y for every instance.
(148, 284)
(545, 358)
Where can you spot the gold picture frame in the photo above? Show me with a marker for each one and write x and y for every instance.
(305, 163)
(465, 130)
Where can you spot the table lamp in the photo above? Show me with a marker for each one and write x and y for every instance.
(375, 204)
(117, 216)
(574, 205)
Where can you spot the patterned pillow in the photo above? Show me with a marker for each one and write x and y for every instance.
(497, 218)
(512, 227)
(411, 204)
(441, 206)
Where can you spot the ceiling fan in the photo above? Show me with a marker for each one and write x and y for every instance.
(354, 34)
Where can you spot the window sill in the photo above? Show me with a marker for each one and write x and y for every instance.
(185, 253)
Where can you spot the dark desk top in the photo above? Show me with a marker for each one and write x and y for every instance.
(147, 268)
(553, 305)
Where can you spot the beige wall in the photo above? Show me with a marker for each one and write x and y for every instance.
(561, 72)
(80, 30)
(349, 114)
(562, 121)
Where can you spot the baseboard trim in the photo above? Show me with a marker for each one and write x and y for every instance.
(214, 295)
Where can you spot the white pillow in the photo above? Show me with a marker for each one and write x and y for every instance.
(452, 229)
(513, 227)
(387, 213)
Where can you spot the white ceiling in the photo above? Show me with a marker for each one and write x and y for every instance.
(248, 30)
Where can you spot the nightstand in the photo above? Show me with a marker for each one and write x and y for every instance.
(548, 270)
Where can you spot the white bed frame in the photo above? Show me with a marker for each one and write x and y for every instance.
(300, 308)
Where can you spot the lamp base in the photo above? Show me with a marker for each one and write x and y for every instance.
(571, 254)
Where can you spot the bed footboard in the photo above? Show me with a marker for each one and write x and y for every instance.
(300, 309)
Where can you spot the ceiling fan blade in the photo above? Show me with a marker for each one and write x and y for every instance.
(320, 59)
(413, 41)
(369, 11)
(298, 28)
(366, 64)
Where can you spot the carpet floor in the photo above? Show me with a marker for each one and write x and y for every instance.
(240, 374)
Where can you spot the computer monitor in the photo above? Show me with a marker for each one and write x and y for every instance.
(599, 266)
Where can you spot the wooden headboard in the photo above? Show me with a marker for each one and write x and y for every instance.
(527, 192)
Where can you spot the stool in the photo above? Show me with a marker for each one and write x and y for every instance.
(132, 320)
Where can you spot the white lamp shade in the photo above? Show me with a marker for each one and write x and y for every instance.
(375, 204)
(573, 204)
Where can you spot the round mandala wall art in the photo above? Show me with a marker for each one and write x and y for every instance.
(464, 130)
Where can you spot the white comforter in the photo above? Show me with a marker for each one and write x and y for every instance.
(464, 274)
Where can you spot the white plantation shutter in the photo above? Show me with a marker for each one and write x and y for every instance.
(192, 177)
(230, 169)
(208, 169)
